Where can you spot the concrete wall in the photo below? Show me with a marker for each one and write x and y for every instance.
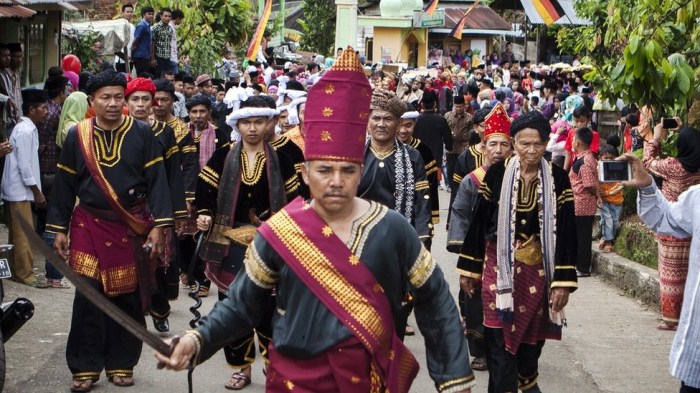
(105, 9)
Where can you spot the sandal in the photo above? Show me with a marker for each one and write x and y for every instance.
(122, 381)
(409, 331)
(82, 385)
(38, 284)
(234, 383)
(479, 364)
(607, 248)
(664, 326)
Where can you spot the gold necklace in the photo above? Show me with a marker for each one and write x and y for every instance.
(382, 155)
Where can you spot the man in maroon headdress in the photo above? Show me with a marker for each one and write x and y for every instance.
(340, 266)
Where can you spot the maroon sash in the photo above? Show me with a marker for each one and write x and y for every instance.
(344, 285)
(86, 141)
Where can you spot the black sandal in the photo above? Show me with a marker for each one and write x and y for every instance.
(237, 377)
(479, 364)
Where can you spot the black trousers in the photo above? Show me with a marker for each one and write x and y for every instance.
(168, 290)
(185, 253)
(96, 342)
(472, 310)
(451, 159)
(241, 353)
(584, 235)
(687, 389)
(143, 65)
(508, 372)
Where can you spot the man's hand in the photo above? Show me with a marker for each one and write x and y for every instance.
(640, 176)
(468, 285)
(39, 200)
(154, 63)
(5, 149)
(60, 245)
(203, 222)
(156, 240)
(560, 296)
(183, 352)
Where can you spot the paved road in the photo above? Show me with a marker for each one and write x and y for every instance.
(611, 345)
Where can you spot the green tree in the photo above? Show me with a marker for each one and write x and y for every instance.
(208, 27)
(644, 51)
(318, 26)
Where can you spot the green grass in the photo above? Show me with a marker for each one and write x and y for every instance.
(637, 243)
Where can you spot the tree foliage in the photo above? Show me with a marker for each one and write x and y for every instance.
(208, 27)
(643, 51)
(81, 44)
(318, 26)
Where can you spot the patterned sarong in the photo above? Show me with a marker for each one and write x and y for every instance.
(530, 322)
(673, 271)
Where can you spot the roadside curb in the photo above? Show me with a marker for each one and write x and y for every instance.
(636, 280)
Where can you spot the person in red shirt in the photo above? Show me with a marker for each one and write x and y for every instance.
(584, 183)
(582, 118)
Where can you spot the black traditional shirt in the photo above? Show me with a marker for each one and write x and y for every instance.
(303, 325)
(467, 162)
(378, 183)
(188, 156)
(431, 174)
(285, 146)
(130, 159)
(172, 161)
(484, 223)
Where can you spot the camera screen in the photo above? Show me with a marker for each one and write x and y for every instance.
(615, 171)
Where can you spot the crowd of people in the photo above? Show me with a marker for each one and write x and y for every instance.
(314, 192)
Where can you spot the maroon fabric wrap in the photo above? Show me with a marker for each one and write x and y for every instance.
(530, 312)
(345, 368)
(105, 249)
(344, 285)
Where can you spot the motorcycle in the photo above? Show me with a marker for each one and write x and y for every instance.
(13, 315)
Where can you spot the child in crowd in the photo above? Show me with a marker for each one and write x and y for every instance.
(612, 196)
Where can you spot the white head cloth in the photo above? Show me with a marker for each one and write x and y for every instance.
(234, 96)
(410, 115)
(293, 110)
(232, 119)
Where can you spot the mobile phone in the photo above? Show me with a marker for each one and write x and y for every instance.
(614, 171)
(669, 123)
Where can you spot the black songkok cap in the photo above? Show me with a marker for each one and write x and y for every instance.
(56, 83)
(479, 115)
(34, 96)
(459, 99)
(198, 99)
(55, 71)
(15, 47)
(104, 79)
(481, 66)
(534, 120)
(166, 86)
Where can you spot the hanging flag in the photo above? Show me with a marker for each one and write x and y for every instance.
(457, 31)
(430, 8)
(254, 46)
(550, 10)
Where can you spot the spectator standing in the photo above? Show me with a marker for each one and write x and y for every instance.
(178, 17)
(460, 123)
(678, 174)
(20, 184)
(162, 36)
(142, 47)
(48, 158)
(432, 129)
(584, 183)
(120, 63)
(611, 208)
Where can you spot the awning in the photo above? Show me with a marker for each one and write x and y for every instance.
(480, 18)
(510, 33)
(53, 5)
(15, 11)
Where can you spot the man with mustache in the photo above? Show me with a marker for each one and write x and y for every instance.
(497, 147)
(238, 189)
(113, 166)
(394, 173)
(340, 266)
(139, 94)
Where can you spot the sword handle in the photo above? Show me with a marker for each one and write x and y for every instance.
(173, 343)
